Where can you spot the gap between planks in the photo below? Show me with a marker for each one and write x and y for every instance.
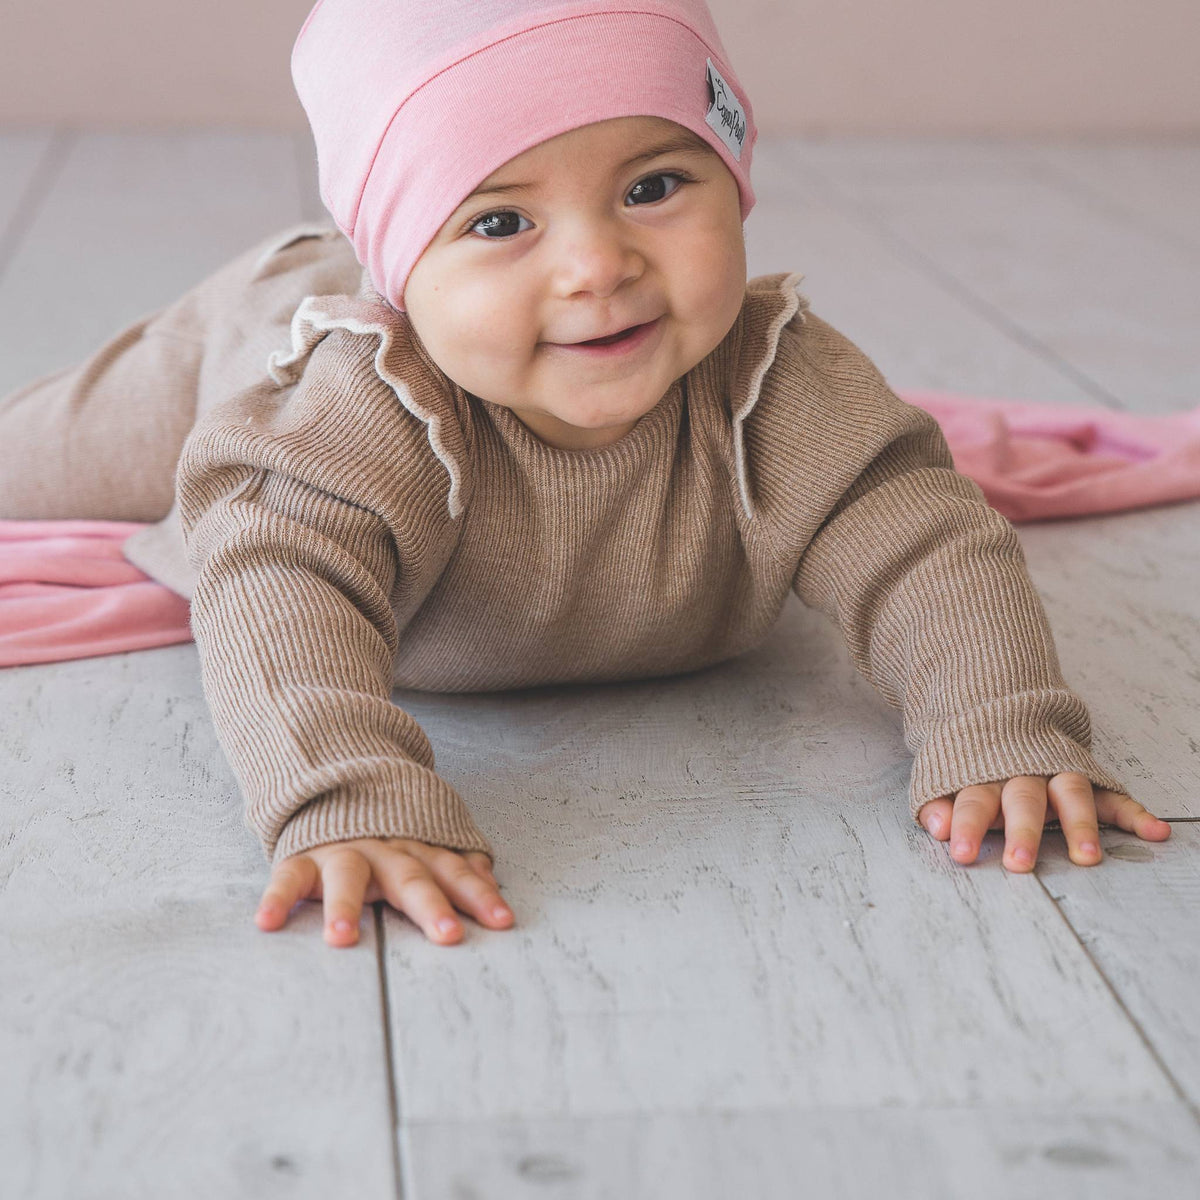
(1181, 1094)
(385, 1009)
(860, 213)
(42, 179)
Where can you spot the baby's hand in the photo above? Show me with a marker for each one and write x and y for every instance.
(415, 878)
(1021, 808)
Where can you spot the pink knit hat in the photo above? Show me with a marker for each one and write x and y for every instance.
(413, 103)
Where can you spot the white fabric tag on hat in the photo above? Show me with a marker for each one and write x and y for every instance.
(725, 113)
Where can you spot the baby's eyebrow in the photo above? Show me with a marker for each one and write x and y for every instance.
(679, 144)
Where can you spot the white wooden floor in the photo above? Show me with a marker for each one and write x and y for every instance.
(739, 969)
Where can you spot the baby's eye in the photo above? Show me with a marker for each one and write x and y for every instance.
(505, 223)
(652, 187)
(497, 225)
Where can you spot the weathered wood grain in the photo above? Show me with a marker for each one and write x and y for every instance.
(1072, 282)
(154, 1041)
(987, 1153)
(312, 208)
(722, 902)
(880, 159)
(1123, 596)
(22, 154)
(1137, 916)
(132, 221)
(919, 328)
(1152, 183)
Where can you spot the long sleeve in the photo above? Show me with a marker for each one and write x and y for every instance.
(930, 588)
(926, 581)
(293, 618)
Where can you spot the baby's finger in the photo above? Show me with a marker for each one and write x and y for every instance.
(345, 874)
(1023, 801)
(408, 887)
(483, 864)
(935, 816)
(1070, 795)
(291, 880)
(975, 808)
(467, 890)
(1116, 808)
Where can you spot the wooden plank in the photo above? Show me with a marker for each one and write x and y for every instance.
(1092, 1153)
(1121, 594)
(21, 156)
(887, 160)
(132, 222)
(154, 1041)
(1136, 914)
(722, 902)
(919, 329)
(1103, 298)
(1152, 183)
(312, 208)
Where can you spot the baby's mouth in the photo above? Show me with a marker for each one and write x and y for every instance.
(628, 341)
(612, 338)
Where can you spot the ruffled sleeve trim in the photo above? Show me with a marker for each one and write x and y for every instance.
(317, 316)
(771, 302)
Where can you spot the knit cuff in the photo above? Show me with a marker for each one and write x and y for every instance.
(980, 747)
(427, 809)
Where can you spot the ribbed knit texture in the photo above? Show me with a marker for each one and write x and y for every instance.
(355, 521)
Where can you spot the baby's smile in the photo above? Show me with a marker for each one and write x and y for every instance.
(613, 345)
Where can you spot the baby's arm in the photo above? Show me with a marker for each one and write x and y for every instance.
(293, 620)
(930, 588)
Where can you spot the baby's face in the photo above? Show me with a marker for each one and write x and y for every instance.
(580, 237)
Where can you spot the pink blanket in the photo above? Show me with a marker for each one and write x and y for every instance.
(66, 591)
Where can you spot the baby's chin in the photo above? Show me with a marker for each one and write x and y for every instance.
(620, 411)
(592, 422)
(578, 428)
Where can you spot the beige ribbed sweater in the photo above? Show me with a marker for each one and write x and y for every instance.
(354, 521)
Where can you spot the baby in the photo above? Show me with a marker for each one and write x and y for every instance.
(521, 420)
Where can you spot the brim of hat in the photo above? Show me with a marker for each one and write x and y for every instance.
(535, 85)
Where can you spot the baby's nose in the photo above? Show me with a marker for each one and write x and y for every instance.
(596, 259)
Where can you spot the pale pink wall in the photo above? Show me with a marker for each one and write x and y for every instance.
(902, 66)
(156, 63)
(991, 66)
